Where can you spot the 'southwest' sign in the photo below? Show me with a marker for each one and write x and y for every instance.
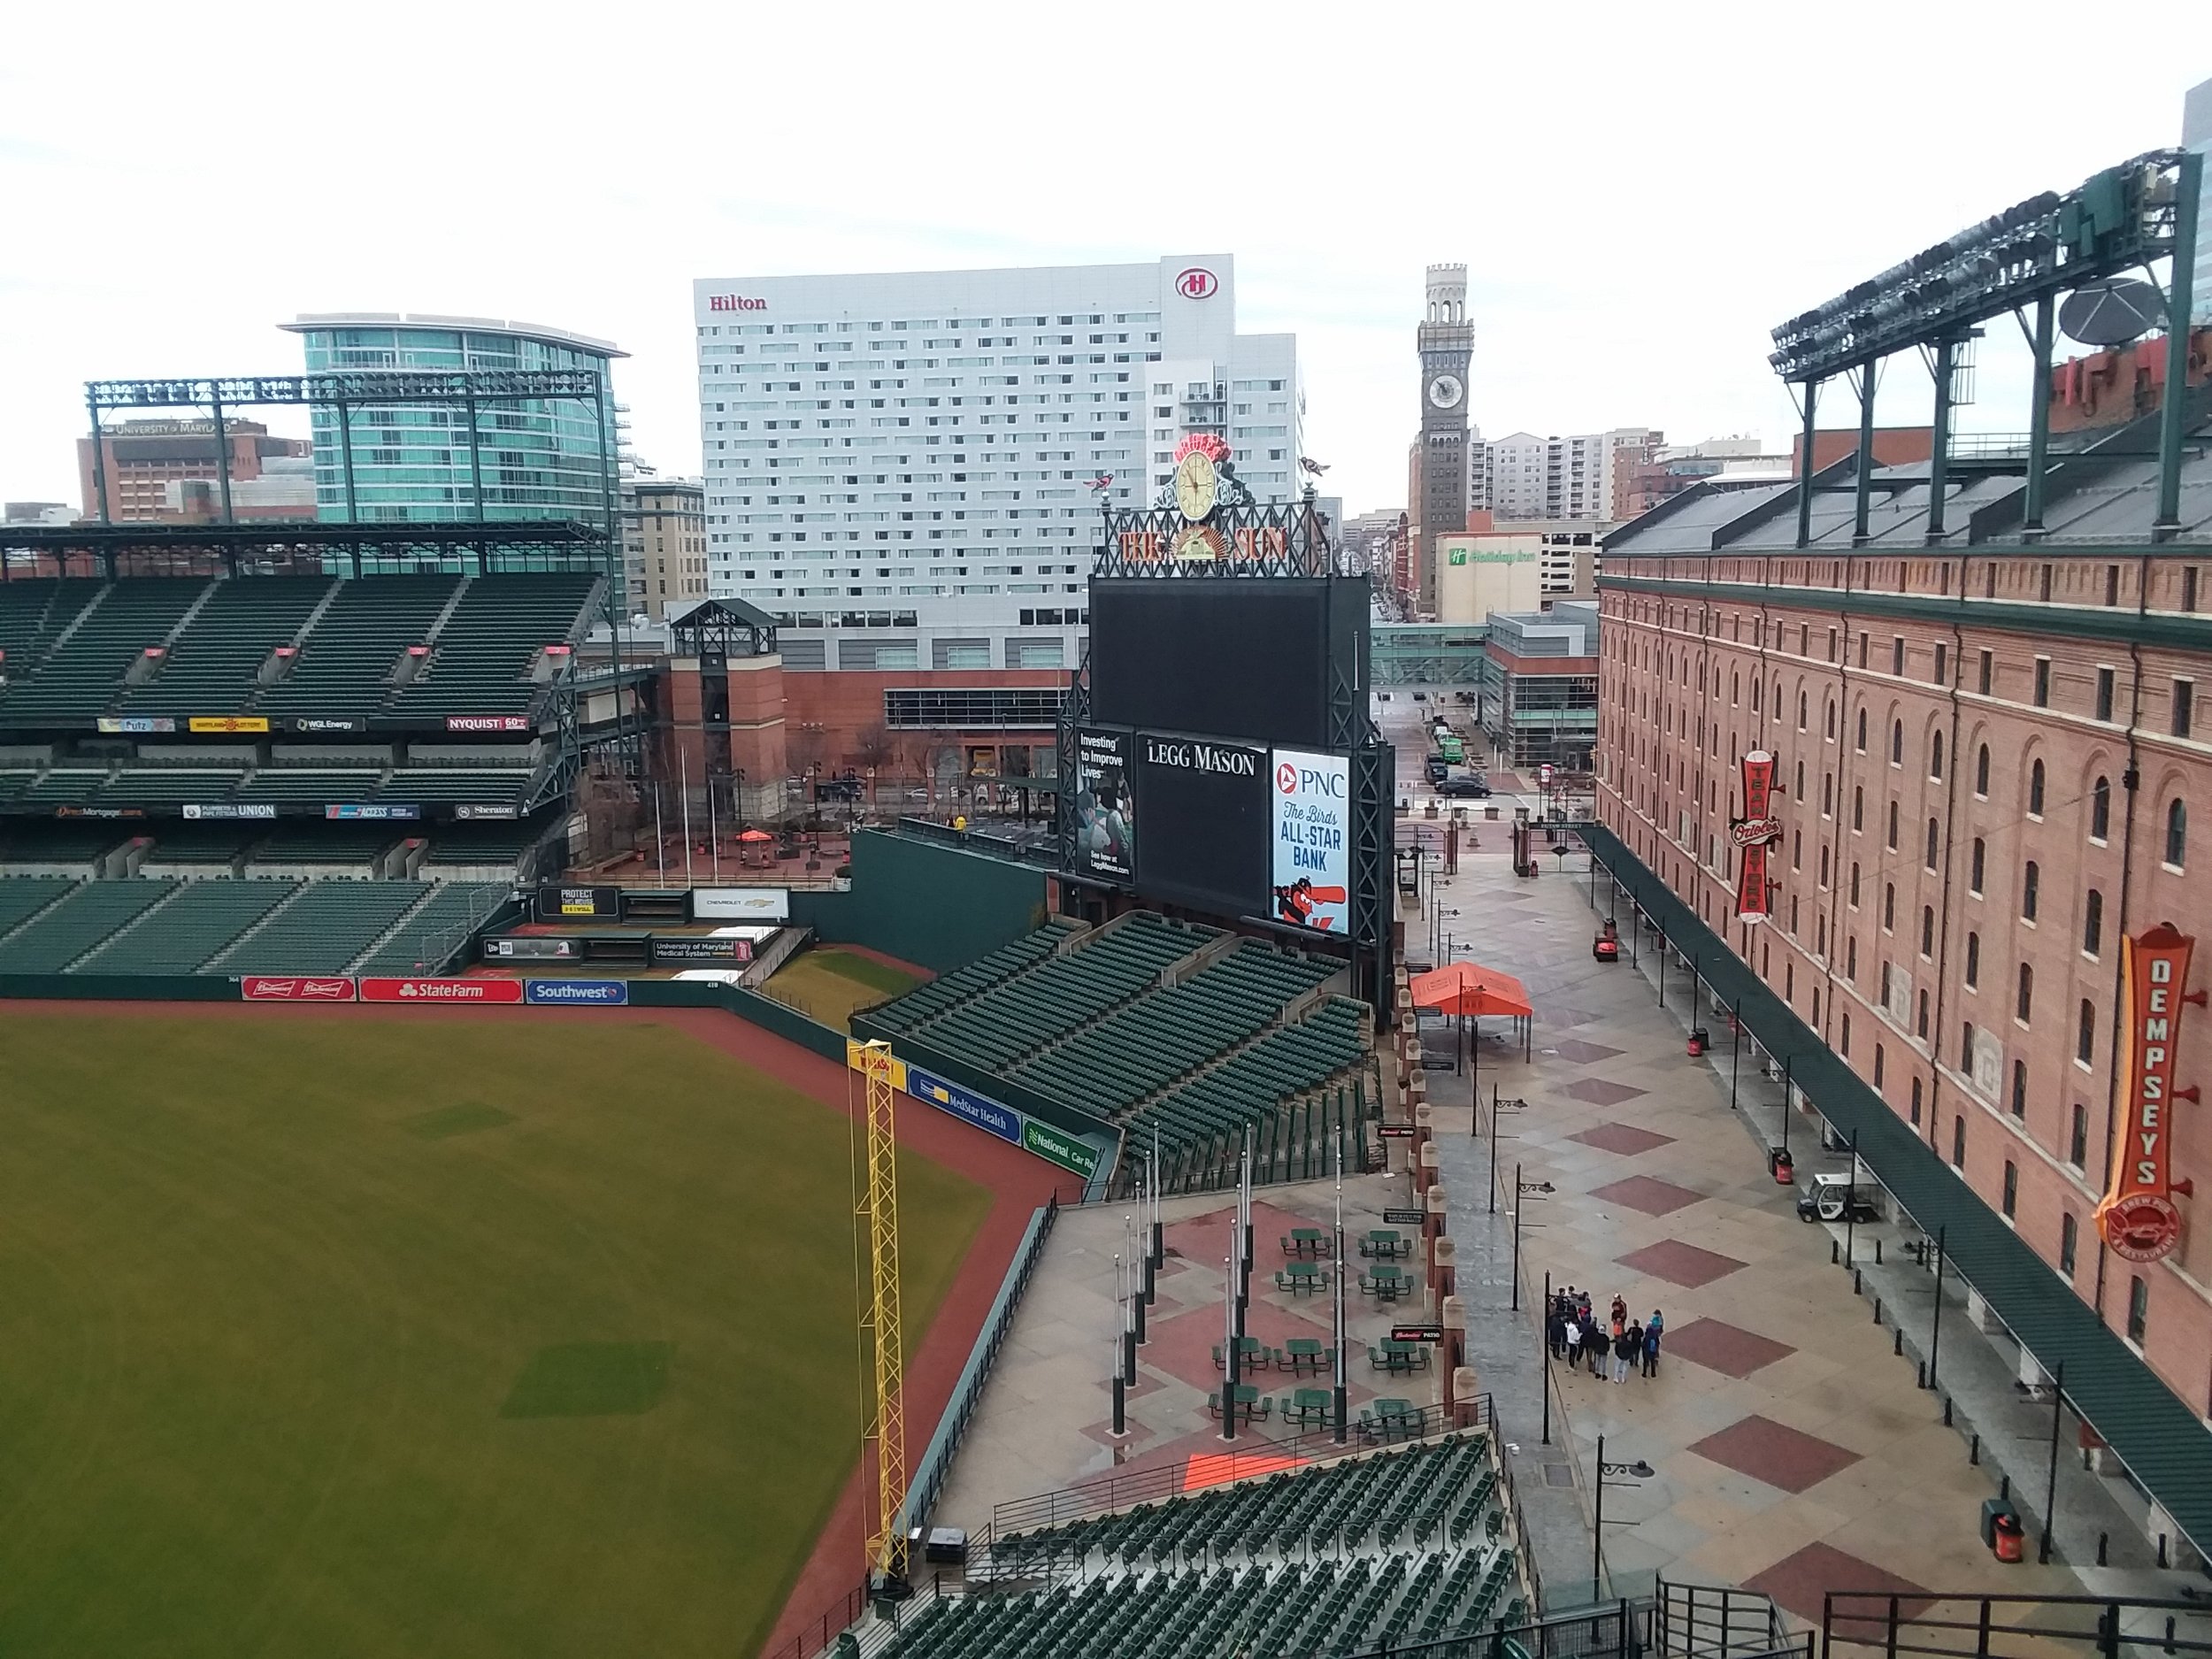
(2136, 1215)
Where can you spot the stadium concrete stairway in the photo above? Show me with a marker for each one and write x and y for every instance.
(1359, 1555)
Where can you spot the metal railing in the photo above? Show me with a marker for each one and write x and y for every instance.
(1698, 1621)
(2012, 1626)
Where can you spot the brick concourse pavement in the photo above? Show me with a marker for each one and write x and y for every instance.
(1793, 1452)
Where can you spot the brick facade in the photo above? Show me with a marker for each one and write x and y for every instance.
(1978, 756)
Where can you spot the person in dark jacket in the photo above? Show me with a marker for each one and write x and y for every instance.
(1597, 1345)
(1620, 1357)
(1634, 1337)
(1651, 1347)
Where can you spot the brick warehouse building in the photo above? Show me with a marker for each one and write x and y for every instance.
(1993, 769)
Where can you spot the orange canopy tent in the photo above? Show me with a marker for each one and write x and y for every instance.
(1467, 987)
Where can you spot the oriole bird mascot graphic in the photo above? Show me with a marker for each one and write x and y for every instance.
(1295, 903)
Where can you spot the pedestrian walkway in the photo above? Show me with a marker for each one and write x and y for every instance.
(1791, 1446)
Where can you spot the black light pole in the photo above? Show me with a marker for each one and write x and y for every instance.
(1640, 1470)
(1341, 1391)
(1935, 1332)
(2050, 1484)
(1518, 1202)
(1546, 1360)
(1735, 1049)
(1493, 1149)
(1851, 1201)
(1788, 1087)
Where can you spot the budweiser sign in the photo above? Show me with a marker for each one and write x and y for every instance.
(1753, 833)
(270, 989)
(2136, 1215)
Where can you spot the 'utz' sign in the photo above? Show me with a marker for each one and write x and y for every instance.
(2136, 1215)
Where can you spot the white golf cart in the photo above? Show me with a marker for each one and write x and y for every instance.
(1833, 1195)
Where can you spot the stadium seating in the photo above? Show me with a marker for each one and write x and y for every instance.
(198, 922)
(487, 841)
(192, 841)
(212, 667)
(1247, 1086)
(171, 786)
(943, 992)
(321, 842)
(78, 922)
(345, 665)
(36, 841)
(491, 639)
(1336, 1558)
(319, 785)
(22, 897)
(425, 940)
(82, 676)
(322, 930)
(33, 613)
(481, 785)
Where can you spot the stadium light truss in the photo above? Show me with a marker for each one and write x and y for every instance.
(2119, 219)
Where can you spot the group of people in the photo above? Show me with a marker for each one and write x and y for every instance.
(1575, 1333)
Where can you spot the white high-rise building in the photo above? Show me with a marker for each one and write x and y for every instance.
(1577, 477)
(900, 464)
(2196, 134)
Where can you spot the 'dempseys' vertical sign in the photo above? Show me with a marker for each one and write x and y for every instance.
(2136, 1215)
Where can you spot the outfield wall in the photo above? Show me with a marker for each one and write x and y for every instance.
(938, 907)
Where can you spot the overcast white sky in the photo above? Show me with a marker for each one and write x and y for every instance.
(1640, 194)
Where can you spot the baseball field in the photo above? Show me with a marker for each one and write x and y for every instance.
(346, 1336)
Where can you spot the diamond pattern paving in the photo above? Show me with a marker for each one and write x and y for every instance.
(1648, 1194)
(1776, 1453)
(1722, 1347)
(1680, 1263)
(1583, 1052)
(1598, 1092)
(1800, 1582)
(1624, 1139)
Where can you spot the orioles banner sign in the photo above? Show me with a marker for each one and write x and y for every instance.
(2136, 1215)
(1753, 833)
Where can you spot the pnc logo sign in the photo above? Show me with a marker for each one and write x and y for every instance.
(1195, 282)
(734, 303)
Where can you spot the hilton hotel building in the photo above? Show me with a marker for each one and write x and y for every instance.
(897, 465)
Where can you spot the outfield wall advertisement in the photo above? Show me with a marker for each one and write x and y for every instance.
(1040, 1139)
(1312, 834)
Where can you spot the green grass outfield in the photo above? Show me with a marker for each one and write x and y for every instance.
(366, 1337)
(826, 984)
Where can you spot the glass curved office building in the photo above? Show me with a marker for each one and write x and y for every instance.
(516, 459)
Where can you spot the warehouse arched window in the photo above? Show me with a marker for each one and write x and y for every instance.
(1981, 772)
(2093, 923)
(2024, 1002)
(2177, 832)
(1862, 731)
(2100, 809)
(2085, 1033)
(1935, 759)
(1897, 743)
(2035, 790)
(2031, 889)
(1930, 860)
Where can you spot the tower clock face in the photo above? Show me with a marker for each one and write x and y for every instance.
(1445, 391)
(1196, 486)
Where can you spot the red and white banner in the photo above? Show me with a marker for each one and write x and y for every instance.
(2138, 1216)
(442, 990)
(271, 988)
(1753, 833)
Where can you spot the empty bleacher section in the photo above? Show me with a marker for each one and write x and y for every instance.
(426, 937)
(1175, 1032)
(76, 923)
(73, 841)
(345, 665)
(34, 613)
(324, 929)
(214, 665)
(77, 677)
(1355, 1556)
(22, 897)
(488, 645)
(300, 783)
(200, 842)
(483, 844)
(182, 933)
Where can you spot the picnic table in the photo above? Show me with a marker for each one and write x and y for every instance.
(1307, 1405)
(1385, 1244)
(1304, 1356)
(1251, 1353)
(1385, 1283)
(1307, 1242)
(1250, 1406)
(1399, 1356)
(1390, 1419)
(1301, 1276)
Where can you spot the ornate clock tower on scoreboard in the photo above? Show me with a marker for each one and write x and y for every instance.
(1446, 345)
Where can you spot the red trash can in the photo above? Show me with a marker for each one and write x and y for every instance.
(2008, 1539)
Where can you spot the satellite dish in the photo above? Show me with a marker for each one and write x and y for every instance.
(2111, 312)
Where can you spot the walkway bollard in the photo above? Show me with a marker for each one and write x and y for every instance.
(2004, 1487)
(1856, 1283)
(1835, 1251)
(1898, 1346)
(2104, 1541)
(1878, 1252)
(1878, 1310)
(1947, 1413)
(1973, 1452)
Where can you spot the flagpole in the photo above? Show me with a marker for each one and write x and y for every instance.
(683, 786)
